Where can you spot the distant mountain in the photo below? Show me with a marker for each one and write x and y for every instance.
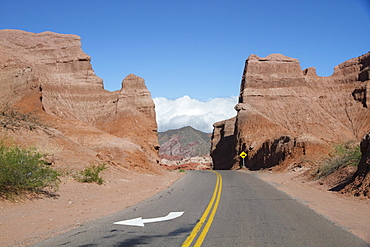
(186, 142)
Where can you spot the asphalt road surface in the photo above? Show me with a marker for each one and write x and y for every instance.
(222, 208)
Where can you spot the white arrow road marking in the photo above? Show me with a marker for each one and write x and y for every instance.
(140, 221)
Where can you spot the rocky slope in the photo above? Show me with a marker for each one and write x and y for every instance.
(192, 163)
(360, 184)
(185, 149)
(285, 112)
(186, 142)
(48, 76)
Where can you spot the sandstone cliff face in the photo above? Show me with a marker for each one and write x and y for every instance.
(285, 112)
(48, 74)
(223, 144)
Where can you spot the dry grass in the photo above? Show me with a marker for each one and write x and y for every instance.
(342, 155)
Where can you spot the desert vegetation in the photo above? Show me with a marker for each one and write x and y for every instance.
(24, 170)
(91, 174)
(11, 119)
(342, 155)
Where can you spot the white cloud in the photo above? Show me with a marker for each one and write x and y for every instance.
(185, 111)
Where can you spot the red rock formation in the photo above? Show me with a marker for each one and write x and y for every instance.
(223, 144)
(361, 184)
(48, 74)
(193, 163)
(285, 112)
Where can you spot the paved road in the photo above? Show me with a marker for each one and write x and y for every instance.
(239, 210)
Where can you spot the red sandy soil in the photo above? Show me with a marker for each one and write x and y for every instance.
(28, 221)
(77, 203)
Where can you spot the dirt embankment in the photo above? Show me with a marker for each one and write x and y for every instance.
(32, 220)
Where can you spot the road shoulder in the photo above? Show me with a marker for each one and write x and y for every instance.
(351, 213)
(28, 221)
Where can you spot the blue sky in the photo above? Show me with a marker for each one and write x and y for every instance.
(194, 47)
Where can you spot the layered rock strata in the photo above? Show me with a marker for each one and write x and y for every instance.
(49, 74)
(285, 112)
(223, 144)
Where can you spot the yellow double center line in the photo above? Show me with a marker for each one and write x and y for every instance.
(213, 204)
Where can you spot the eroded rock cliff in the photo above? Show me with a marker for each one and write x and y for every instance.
(223, 144)
(360, 186)
(48, 74)
(286, 112)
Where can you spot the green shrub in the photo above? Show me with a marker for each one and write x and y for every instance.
(23, 170)
(91, 174)
(344, 154)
